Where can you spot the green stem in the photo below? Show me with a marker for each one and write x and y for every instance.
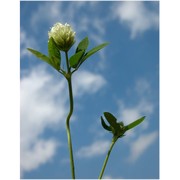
(68, 119)
(107, 157)
(67, 62)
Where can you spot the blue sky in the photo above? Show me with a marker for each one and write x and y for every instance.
(123, 79)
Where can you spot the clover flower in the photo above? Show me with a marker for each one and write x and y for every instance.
(63, 35)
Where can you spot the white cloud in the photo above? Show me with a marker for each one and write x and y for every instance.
(47, 11)
(107, 177)
(57, 12)
(129, 114)
(110, 177)
(40, 153)
(138, 141)
(26, 41)
(136, 16)
(44, 104)
(99, 147)
(142, 86)
(41, 106)
(144, 107)
(88, 82)
(141, 144)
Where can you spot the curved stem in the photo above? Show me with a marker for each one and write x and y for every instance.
(68, 119)
(107, 157)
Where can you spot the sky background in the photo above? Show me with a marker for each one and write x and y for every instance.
(123, 79)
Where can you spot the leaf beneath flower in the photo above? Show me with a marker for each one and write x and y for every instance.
(54, 54)
(75, 59)
(82, 46)
(94, 50)
(42, 57)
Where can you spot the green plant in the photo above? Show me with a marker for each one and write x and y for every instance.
(61, 39)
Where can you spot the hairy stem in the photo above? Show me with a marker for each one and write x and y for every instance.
(107, 157)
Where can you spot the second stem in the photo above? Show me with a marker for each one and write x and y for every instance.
(107, 157)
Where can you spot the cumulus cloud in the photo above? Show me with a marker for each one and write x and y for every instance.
(141, 144)
(26, 41)
(99, 147)
(111, 177)
(40, 153)
(137, 16)
(44, 104)
(40, 15)
(138, 141)
(107, 177)
(129, 114)
(41, 105)
(88, 82)
(58, 12)
(142, 87)
(144, 107)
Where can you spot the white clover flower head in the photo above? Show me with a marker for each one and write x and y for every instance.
(63, 35)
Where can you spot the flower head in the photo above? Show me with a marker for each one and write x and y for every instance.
(63, 35)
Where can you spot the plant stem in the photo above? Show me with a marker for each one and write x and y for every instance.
(68, 119)
(107, 157)
(67, 62)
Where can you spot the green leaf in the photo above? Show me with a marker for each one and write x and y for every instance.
(105, 126)
(94, 50)
(75, 59)
(41, 56)
(135, 123)
(82, 46)
(54, 54)
(112, 120)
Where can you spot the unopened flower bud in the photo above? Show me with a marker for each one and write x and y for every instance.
(63, 35)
